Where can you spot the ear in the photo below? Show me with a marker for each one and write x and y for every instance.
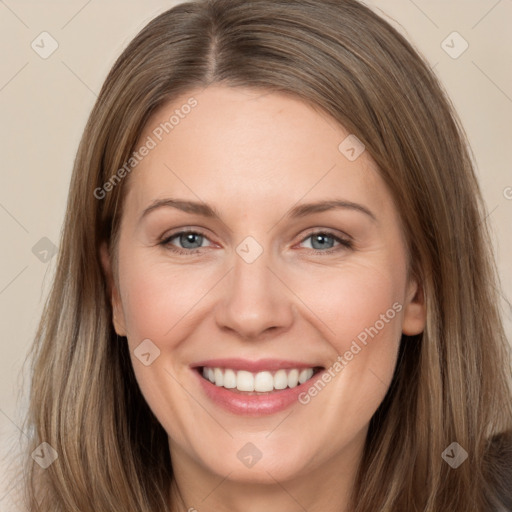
(415, 314)
(117, 311)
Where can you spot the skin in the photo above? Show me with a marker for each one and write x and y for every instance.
(253, 156)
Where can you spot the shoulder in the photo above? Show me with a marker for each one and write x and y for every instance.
(499, 470)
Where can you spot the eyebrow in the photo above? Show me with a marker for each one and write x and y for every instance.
(298, 211)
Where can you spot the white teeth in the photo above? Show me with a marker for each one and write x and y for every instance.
(281, 379)
(293, 378)
(244, 381)
(219, 377)
(261, 382)
(229, 379)
(304, 375)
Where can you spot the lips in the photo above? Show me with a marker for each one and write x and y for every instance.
(254, 388)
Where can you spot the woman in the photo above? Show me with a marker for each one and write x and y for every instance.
(333, 342)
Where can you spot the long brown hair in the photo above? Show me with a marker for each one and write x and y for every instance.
(452, 382)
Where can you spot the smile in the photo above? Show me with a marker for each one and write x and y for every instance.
(262, 382)
(254, 388)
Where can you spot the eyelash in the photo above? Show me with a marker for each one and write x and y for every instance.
(343, 242)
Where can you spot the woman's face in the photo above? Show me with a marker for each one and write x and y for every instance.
(294, 267)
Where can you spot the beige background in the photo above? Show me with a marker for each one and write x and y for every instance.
(44, 104)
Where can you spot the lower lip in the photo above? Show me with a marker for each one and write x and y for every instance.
(254, 405)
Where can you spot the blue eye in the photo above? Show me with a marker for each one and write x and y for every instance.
(191, 242)
(188, 240)
(321, 242)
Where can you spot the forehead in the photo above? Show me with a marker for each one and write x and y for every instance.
(250, 147)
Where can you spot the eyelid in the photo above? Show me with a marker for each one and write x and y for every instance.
(344, 240)
(165, 239)
(328, 231)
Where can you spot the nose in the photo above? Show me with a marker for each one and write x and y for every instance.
(255, 300)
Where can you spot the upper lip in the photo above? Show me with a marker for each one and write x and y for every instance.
(254, 366)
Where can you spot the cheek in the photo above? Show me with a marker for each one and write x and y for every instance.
(360, 301)
(157, 298)
(344, 303)
(159, 302)
(361, 307)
